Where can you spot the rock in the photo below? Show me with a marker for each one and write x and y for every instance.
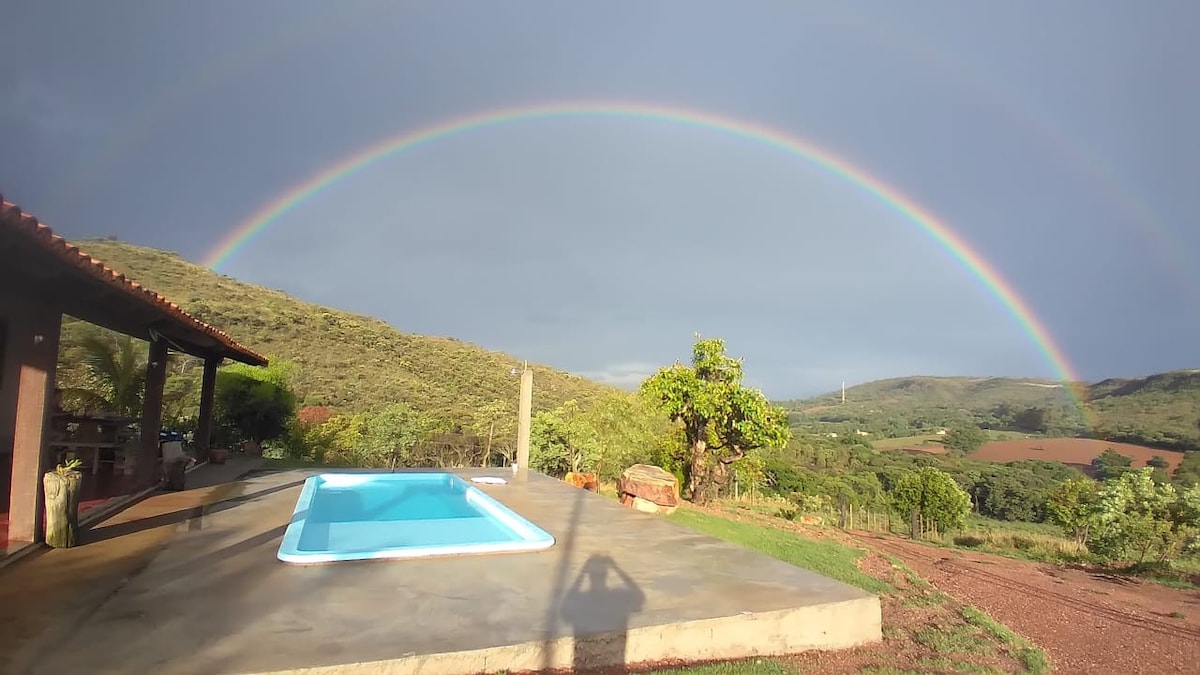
(585, 481)
(647, 506)
(650, 484)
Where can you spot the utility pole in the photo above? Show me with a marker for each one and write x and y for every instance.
(525, 420)
(843, 391)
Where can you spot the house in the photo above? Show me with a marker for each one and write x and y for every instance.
(42, 278)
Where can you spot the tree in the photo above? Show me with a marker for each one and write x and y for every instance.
(1010, 499)
(933, 494)
(255, 403)
(561, 441)
(721, 419)
(114, 373)
(389, 435)
(964, 439)
(1187, 473)
(1134, 518)
(1072, 506)
(1111, 464)
(1032, 419)
(1157, 462)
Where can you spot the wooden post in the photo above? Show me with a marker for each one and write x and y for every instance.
(525, 420)
(156, 378)
(915, 525)
(62, 507)
(208, 388)
(32, 340)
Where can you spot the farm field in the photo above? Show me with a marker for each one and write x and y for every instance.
(1078, 452)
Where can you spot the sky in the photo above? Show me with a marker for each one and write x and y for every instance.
(1057, 140)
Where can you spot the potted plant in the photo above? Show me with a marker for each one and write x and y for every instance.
(62, 486)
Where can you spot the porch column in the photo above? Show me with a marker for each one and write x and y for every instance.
(33, 340)
(156, 378)
(208, 388)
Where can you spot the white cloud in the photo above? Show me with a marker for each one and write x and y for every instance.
(623, 375)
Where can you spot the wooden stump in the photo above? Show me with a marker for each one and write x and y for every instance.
(62, 507)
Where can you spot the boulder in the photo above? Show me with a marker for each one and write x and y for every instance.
(653, 486)
(646, 506)
(584, 481)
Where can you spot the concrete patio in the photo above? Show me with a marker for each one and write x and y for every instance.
(196, 588)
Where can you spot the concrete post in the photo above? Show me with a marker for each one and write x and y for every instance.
(208, 388)
(33, 339)
(156, 378)
(525, 420)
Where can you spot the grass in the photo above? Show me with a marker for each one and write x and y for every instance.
(349, 362)
(1034, 659)
(906, 441)
(824, 557)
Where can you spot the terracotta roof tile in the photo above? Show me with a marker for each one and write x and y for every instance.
(12, 217)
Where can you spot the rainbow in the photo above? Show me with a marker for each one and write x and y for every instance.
(928, 223)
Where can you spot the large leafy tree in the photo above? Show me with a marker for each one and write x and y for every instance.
(721, 419)
(255, 404)
(933, 494)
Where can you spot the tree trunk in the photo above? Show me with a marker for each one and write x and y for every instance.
(698, 476)
(62, 508)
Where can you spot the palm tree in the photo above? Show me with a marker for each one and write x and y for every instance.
(114, 374)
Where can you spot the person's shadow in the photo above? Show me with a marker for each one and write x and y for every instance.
(599, 615)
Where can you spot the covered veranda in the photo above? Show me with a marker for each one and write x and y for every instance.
(43, 278)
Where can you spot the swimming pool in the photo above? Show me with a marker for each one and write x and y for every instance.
(360, 516)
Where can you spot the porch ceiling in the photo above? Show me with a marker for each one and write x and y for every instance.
(36, 263)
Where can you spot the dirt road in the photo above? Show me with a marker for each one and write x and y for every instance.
(1086, 622)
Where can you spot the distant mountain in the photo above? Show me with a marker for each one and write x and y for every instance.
(1162, 410)
(346, 361)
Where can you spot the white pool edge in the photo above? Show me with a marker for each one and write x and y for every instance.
(537, 539)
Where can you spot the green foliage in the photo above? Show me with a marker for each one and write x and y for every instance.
(613, 433)
(819, 555)
(254, 404)
(1187, 473)
(1072, 506)
(1138, 520)
(1158, 411)
(103, 370)
(721, 419)
(347, 362)
(1111, 464)
(965, 439)
(933, 494)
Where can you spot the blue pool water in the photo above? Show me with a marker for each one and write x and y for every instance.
(357, 516)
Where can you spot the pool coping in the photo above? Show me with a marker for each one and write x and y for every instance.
(533, 537)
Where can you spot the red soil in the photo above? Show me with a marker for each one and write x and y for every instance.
(1077, 452)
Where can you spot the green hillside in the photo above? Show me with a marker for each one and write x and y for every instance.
(345, 361)
(1161, 410)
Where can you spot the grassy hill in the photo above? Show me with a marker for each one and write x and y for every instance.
(345, 361)
(1161, 410)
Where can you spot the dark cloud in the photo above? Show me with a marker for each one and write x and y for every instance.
(1057, 142)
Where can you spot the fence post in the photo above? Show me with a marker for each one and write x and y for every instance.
(842, 509)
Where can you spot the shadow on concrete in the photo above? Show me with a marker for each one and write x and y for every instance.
(567, 544)
(194, 514)
(599, 614)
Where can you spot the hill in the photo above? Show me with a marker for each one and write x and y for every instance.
(1161, 410)
(346, 361)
